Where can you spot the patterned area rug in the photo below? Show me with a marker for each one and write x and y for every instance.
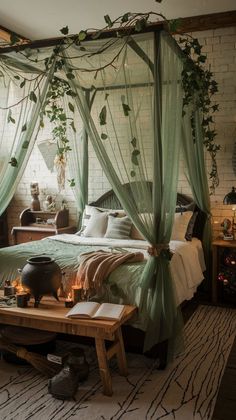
(186, 390)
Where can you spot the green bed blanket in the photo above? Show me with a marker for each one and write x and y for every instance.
(122, 285)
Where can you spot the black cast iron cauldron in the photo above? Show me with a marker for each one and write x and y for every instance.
(42, 276)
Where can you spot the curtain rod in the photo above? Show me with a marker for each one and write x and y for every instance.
(109, 33)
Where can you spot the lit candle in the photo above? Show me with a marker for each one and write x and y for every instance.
(69, 302)
(76, 294)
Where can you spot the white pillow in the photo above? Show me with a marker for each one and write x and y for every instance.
(180, 226)
(89, 210)
(97, 224)
(118, 227)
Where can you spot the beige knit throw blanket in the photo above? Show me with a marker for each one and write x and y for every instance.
(96, 266)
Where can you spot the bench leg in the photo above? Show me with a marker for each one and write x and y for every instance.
(121, 356)
(103, 366)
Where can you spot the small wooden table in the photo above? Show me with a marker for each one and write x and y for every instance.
(217, 245)
(50, 316)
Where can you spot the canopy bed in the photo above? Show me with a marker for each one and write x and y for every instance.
(126, 94)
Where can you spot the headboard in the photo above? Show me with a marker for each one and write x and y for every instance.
(110, 201)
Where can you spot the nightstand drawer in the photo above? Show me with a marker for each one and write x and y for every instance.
(22, 234)
(28, 236)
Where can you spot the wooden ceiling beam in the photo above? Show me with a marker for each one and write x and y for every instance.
(188, 24)
(210, 21)
(5, 35)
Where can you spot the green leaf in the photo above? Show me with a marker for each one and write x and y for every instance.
(134, 157)
(10, 118)
(126, 109)
(71, 93)
(13, 162)
(70, 75)
(108, 21)
(215, 108)
(174, 25)
(17, 77)
(25, 145)
(71, 182)
(32, 96)
(22, 84)
(14, 39)
(62, 117)
(24, 127)
(64, 30)
(132, 173)
(71, 107)
(82, 35)
(104, 136)
(106, 96)
(140, 25)
(72, 124)
(134, 142)
(125, 17)
(103, 115)
(41, 124)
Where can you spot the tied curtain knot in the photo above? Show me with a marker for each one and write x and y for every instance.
(155, 250)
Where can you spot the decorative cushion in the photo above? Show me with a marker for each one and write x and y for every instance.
(118, 227)
(97, 224)
(180, 225)
(190, 227)
(89, 210)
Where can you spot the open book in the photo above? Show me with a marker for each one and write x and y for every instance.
(95, 310)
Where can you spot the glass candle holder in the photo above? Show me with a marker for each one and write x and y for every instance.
(22, 299)
(69, 301)
(76, 294)
(9, 290)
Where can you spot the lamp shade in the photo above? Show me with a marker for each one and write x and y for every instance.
(230, 198)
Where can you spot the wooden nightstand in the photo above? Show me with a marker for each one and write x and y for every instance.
(35, 225)
(218, 246)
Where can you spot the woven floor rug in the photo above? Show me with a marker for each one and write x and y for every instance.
(186, 390)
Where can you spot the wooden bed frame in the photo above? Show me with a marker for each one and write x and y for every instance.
(133, 337)
(110, 201)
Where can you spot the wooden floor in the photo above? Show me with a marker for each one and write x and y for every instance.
(225, 408)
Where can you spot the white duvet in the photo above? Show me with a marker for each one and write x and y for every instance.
(187, 264)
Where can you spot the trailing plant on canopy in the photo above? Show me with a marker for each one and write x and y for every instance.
(198, 83)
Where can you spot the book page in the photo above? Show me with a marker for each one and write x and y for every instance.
(83, 310)
(110, 311)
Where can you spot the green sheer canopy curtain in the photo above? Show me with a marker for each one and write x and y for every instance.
(18, 125)
(135, 130)
(196, 170)
(78, 162)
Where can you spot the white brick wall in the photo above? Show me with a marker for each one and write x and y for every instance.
(220, 47)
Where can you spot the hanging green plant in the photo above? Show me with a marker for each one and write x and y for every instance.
(199, 87)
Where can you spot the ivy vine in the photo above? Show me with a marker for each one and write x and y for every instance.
(198, 83)
(199, 88)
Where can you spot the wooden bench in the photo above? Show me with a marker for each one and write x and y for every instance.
(50, 316)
